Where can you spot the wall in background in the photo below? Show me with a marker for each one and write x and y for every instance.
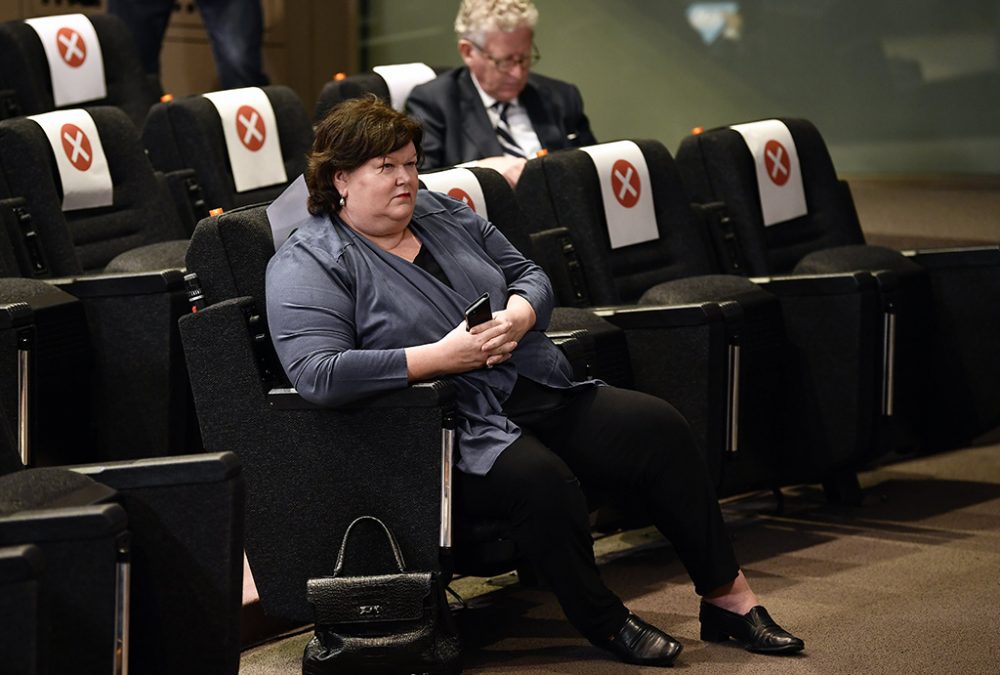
(895, 86)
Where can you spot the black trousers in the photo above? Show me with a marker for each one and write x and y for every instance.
(615, 441)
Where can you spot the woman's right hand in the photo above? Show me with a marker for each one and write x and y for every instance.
(459, 351)
(466, 350)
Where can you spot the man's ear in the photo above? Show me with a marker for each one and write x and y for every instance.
(465, 49)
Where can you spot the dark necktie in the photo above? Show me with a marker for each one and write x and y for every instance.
(506, 138)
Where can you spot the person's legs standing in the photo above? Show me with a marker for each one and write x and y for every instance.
(147, 21)
(235, 28)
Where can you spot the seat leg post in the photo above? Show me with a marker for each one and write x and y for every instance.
(123, 599)
(25, 342)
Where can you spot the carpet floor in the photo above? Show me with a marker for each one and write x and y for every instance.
(909, 583)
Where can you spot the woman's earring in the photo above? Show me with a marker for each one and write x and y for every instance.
(342, 202)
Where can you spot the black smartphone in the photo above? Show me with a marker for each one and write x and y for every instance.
(478, 312)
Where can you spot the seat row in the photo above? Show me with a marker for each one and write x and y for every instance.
(797, 352)
(787, 376)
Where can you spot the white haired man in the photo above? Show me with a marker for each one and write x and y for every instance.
(494, 109)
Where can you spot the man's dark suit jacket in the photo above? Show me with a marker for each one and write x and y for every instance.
(457, 128)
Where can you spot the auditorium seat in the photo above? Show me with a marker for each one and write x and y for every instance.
(391, 83)
(21, 571)
(789, 395)
(134, 227)
(111, 378)
(941, 309)
(80, 535)
(481, 189)
(26, 85)
(188, 133)
(309, 471)
(659, 354)
(173, 526)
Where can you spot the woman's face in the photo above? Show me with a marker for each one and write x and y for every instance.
(379, 195)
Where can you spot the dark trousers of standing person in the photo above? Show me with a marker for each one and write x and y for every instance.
(235, 29)
(614, 441)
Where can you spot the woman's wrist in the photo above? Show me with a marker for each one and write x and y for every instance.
(521, 311)
(423, 362)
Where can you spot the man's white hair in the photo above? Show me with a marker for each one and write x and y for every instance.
(477, 17)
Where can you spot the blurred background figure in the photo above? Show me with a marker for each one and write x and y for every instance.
(234, 28)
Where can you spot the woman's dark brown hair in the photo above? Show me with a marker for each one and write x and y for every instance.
(354, 132)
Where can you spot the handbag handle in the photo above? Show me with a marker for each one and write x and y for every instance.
(392, 543)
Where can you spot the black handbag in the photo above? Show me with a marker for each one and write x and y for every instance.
(388, 623)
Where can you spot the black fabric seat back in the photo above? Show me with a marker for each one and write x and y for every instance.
(502, 208)
(186, 133)
(716, 165)
(230, 256)
(562, 189)
(25, 70)
(87, 240)
(353, 86)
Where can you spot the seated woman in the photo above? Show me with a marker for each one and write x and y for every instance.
(368, 296)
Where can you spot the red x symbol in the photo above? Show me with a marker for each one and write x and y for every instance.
(625, 183)
(462, 196)
(72, 48)
(76, 145)
(250, 127)
(777, 163)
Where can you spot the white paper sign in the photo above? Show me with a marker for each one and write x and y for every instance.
(83, 168)
(779, 178)
(251, 137)
(460, 184)
(288, 210)
(402, 78)
(625, 191)
(75, 60)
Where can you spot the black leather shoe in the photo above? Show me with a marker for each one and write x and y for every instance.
(756, 630)
(638, 642)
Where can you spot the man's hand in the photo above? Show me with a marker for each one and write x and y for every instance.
(508, 167)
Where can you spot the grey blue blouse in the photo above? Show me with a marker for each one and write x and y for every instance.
(341, 311)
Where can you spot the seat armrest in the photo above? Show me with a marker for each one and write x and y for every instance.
(432, 394)
(964, 257)
(578, 348)
(211, 467)
(680, 354)
(15, 315)
(631, 317)
(60, 524)
(816, 284)
(116, 285)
